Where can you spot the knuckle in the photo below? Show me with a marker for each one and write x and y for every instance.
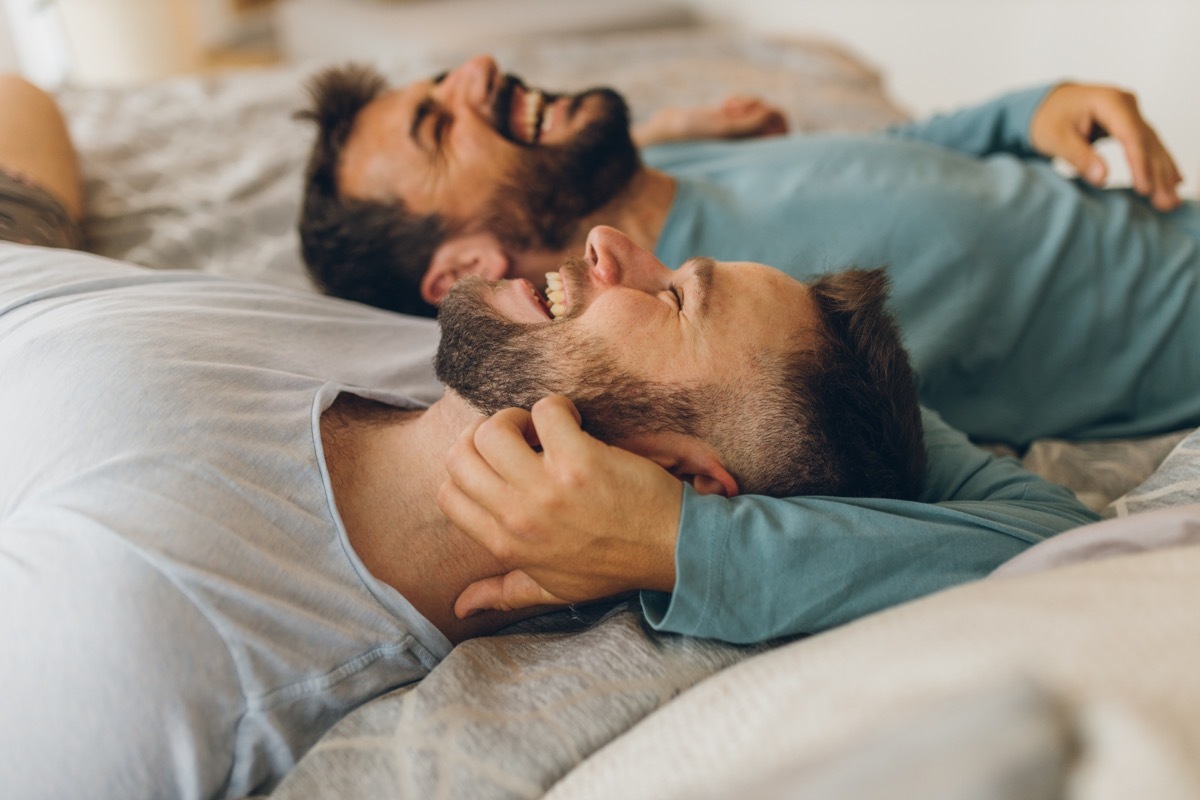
(516, 520)
(572, 476)
(1126, 98)
(502, 550)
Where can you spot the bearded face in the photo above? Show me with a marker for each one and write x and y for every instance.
(554, 186)
(496, 363)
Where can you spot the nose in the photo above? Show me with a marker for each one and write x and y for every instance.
(470, 82)
(616, 260)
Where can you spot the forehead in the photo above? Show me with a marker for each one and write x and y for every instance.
(758, 307)
(380, 146)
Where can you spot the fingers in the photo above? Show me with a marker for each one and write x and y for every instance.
(559, 427)
(1077, 152)
(1164, 176)
(1151, 167)
(496, 480)
(512, 591)
(501, 444)
(1073, 115)
(752, 116)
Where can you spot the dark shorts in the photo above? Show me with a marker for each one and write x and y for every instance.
(29, 215)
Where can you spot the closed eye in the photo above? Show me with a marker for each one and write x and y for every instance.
(440, 128)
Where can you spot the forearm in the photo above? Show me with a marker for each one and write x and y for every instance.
(753, 568)
(756, 568)
(998, 126)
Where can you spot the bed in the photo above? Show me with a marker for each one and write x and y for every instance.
(1067, 673)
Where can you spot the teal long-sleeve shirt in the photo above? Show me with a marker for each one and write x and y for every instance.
(755, 568)
(1032, 305)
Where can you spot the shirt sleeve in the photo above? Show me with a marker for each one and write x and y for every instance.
(754, 568)
(999, 126)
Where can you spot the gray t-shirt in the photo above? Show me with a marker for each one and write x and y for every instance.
(181, 611)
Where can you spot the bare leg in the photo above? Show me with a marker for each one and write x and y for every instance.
(34, 142)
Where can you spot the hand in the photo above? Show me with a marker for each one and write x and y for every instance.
(739, 117)
(576, 522)
(1073, 116)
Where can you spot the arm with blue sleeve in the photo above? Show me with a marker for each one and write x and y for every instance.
(753, 568)
(998, 126)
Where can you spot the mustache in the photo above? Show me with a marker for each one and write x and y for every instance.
(503, 101)
(574, 272)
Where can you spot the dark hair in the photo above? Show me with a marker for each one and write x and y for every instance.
(365, 250)
(840, 414)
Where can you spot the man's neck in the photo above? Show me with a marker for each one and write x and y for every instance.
(385, 466)
(639, 211)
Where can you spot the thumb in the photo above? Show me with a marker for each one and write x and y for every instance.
(511, 591)
(1077, 152)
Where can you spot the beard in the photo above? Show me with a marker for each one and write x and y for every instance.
(541, 203)
(495, 363)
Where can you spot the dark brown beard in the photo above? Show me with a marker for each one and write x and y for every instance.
(495, 363)
(555, 186)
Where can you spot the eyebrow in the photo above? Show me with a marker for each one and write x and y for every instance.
(703, 272)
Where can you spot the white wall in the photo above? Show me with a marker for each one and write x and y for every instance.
(8, 48)
(939, 54)
(38, 50)
(116, 41)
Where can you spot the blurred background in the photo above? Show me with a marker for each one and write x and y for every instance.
(934, 54)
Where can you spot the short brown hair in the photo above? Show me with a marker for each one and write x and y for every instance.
(833, 413)
(840, 414)
(365, 250)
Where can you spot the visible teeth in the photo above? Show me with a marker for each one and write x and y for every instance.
(533, 104)
(555, 294)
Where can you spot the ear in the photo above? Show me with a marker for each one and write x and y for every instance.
(471, 254)
(689, 459)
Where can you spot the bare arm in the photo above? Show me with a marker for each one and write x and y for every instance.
(35, 143)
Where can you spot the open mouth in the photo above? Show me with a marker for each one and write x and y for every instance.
(523, 114)
(529, 118)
